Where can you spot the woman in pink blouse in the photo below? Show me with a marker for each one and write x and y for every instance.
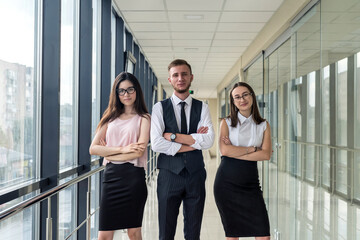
(121, 138)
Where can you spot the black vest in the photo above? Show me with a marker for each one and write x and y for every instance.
(193, 160)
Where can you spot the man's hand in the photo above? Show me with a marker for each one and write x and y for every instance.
(167, 136)
(201, 130)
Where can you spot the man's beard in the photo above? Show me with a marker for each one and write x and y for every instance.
(182, 90)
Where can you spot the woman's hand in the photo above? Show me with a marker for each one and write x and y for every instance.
(133, 147)
(226, 140)
(102, 142)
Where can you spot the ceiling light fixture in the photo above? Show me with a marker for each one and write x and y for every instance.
(193, 17)
(188, 49)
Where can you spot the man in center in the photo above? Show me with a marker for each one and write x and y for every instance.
(180, 129)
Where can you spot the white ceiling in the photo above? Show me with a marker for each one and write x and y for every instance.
(210, 34)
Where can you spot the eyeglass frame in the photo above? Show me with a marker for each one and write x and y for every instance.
(125, 91)
(244, 96)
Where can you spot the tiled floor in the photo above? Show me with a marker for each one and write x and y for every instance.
(211, 226)
(297, 210)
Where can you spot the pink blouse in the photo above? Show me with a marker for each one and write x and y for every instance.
(122, 133)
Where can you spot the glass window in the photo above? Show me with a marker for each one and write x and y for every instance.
(357, 128)
(254, 77)
(67, 211)
(222, 104)
(18, 91)
(327, 211)
(357, 100)
(341, 172)
(341, 102)
(68, 83)
(357, 223)
(95, 203)
(325, 107)
(20, 226)
(325, 164)
(311, 90)
(96, 67)
(342, 219)
(310, 202)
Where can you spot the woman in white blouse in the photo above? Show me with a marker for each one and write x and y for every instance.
(245, 138)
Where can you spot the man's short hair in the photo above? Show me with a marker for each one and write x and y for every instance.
(178, 62)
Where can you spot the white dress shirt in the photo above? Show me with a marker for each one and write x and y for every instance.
(161, 145)
(247, 133)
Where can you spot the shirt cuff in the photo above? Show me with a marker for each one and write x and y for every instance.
(175, 147)
(197, 139)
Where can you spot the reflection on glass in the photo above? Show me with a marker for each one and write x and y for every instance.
(310, 203)
(357, 128)
(18, 91)
(95, 203)
(341, 171)
(327, 211)
(357, 101)
(67, 211)
(311, 90)
(22, 225)
(341, 103)
(254, 76)
(357, 175)
(357, 223)
(342, 219)
(222, 103)
(325, 107)
(19, 226)
(325, 162)
(68, 83)
(310, 163)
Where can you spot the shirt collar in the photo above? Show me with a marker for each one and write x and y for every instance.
(243, 119)
(177, 100)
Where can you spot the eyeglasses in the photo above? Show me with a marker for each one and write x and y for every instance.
(129, 90)
(244, 96)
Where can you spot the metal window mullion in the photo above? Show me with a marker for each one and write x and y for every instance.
(50, 108)
(119, 46)
(84, 124)
(351, 124)
(332, 102)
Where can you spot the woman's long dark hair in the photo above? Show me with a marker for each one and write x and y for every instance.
(116, 108)
(254, 108)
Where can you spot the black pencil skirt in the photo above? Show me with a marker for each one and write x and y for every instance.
(123, 197)
(239, 199)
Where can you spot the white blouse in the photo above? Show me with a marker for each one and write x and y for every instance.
(247, 133)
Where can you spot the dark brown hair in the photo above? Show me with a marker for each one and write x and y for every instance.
(254, 108)
(116, 108)
(178, 62)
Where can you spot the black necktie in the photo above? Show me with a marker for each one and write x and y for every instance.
(183, 119)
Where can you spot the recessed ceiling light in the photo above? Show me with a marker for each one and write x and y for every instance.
(193, 17)
(191, 49)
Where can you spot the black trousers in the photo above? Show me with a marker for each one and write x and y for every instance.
(172, 189)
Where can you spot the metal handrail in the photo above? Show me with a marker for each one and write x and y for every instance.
(48, 194)
(321, 145)
(27, 203)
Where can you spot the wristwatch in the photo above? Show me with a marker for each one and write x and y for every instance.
(172, 137)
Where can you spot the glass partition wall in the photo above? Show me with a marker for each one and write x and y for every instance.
(308, 90)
